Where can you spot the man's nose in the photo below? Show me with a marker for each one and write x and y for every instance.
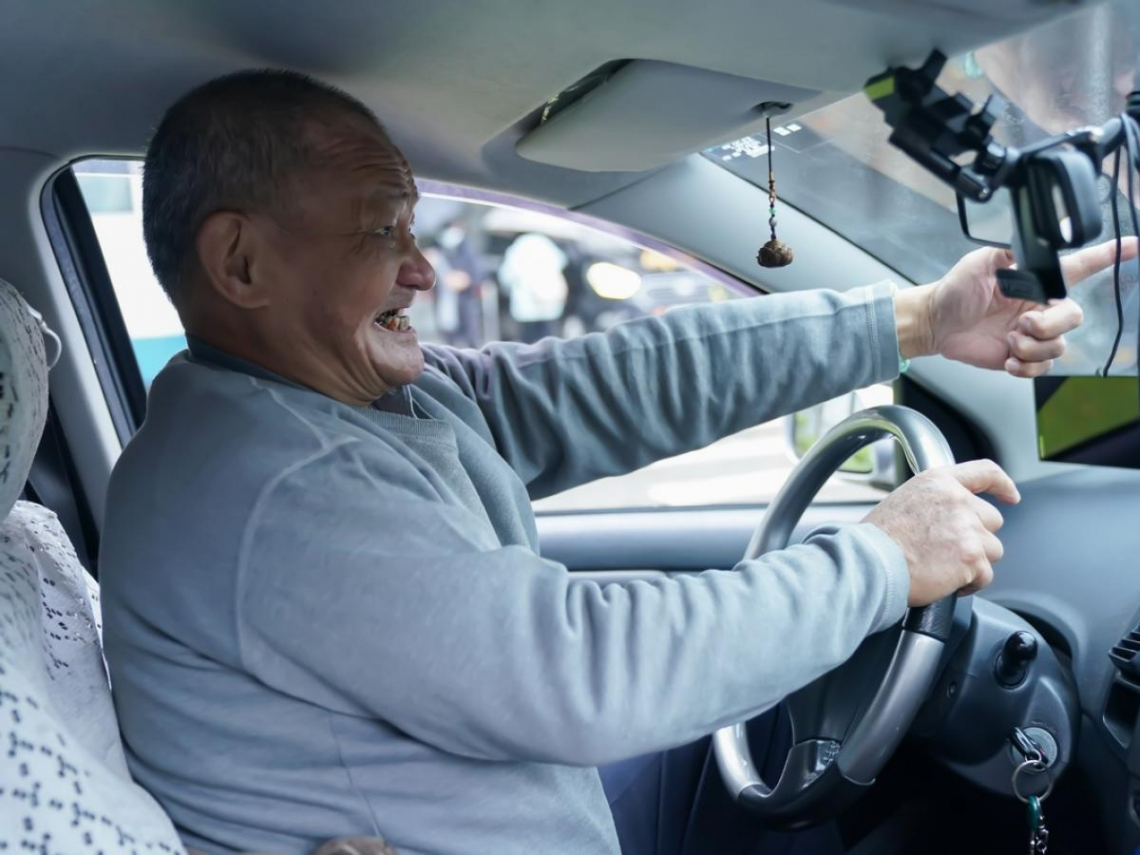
(417, 272)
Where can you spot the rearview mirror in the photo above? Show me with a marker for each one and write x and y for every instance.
(873, 464)
(989, 223)
(1057, 205)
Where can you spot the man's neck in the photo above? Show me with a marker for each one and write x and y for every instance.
(397, 401)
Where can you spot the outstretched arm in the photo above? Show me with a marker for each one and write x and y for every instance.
(566, 412)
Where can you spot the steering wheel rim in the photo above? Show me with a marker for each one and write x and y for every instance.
(823, 773)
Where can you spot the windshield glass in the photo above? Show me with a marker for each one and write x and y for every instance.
(836, 165)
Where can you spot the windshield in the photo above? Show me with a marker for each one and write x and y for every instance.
(836, 165)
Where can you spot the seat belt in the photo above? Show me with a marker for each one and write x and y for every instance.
(52, 483)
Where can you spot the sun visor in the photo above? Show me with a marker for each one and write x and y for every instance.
(981, 15)
(648, 113)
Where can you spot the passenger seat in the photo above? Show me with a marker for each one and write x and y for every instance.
(64, 785)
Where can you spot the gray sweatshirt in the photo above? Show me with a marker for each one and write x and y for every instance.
(325, 620)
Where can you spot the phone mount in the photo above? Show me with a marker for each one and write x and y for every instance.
(934, 127)
(1052, 183)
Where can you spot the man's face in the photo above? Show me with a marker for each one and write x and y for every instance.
(343, 263)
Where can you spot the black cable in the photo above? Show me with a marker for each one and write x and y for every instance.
(1116, 262)
(1132, 138)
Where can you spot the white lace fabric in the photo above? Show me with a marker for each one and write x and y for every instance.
(64, 787)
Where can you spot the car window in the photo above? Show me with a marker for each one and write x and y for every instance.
(518, 272)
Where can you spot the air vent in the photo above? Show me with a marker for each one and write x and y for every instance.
(1121, 710)
(1123, 653)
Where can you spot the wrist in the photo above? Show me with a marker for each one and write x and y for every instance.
(913, 323)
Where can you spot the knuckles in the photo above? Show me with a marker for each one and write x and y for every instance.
(973, 554)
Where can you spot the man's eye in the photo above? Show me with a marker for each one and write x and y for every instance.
(384, 232)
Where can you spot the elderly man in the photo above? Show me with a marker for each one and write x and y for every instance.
(326, 613)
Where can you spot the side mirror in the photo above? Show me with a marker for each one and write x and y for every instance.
(874, 465)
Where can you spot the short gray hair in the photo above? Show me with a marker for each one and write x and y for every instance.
(236, 142)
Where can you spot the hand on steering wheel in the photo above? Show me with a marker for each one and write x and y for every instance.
(847, 724)
(946, 532)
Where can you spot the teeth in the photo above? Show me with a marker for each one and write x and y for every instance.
(393, 321)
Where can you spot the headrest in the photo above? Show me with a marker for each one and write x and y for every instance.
(23, 392)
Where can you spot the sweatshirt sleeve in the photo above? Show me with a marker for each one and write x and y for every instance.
(563, 413)
(409, 611)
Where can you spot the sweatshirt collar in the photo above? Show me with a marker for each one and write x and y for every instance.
(398, 401)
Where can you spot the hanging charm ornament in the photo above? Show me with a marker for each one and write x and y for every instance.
(775, 253)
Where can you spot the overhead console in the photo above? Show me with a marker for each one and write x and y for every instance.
(632, 115)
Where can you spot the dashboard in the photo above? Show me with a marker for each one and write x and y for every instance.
(1072, 570)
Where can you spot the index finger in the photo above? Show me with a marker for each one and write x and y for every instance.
(985, 476)
(1080, 265)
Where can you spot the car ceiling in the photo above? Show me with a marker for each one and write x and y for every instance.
(457, 83)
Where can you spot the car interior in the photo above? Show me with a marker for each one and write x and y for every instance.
(629, 144)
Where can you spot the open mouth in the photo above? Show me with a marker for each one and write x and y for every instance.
(394, 320)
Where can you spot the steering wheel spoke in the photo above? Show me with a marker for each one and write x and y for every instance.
(828, 708)
(794, 801)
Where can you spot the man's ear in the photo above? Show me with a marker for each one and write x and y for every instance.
(228, 245)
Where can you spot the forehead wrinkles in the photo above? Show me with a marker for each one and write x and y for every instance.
(359, 164)
(366, 157)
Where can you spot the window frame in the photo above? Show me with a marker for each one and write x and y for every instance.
(473, 195)
(71, 233)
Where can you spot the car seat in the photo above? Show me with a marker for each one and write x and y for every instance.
(64, 784)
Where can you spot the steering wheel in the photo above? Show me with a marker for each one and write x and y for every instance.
(846, 724)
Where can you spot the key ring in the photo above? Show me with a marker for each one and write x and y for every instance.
(1040, 767)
